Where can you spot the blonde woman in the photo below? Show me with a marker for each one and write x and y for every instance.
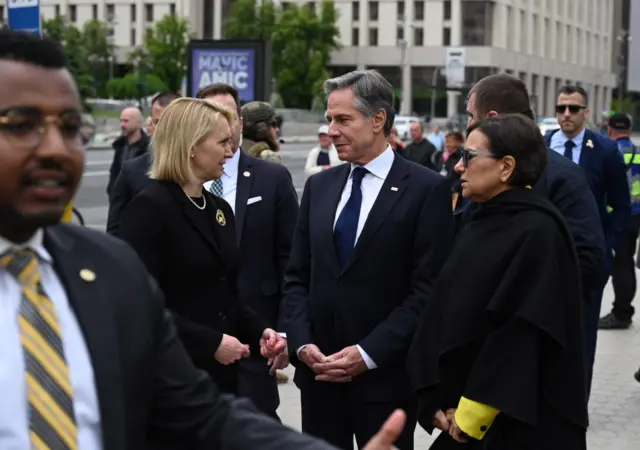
(186, 237)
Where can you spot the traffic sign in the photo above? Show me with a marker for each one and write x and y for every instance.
(24, 15)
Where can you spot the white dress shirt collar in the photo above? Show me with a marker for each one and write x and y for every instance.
(379, 166)
(231, 165)
(36, 243)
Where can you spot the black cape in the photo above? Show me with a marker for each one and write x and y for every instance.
(505, 328)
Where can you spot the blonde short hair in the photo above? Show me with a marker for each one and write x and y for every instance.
(184, 124)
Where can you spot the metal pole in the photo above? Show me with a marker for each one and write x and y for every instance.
(434, 92)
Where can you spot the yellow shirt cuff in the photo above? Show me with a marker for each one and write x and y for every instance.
(475, 418)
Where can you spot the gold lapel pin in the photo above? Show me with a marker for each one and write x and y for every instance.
(247, 174)
(220, 218)
(87, 275)
(394, 189)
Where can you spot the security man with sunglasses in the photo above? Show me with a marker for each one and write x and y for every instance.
(605, 170)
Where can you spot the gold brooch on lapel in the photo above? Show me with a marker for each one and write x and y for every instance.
(222, 220)
(87, 275)
(247, 174)
(590, 143)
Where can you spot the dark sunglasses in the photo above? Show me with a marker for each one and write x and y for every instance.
(573, 109)
(468, 155)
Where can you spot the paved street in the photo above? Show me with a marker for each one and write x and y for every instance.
(615, 400)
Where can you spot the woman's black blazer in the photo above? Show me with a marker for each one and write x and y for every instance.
(194, 257)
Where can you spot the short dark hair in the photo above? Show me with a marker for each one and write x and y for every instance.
(164, 98)
(220, 89)
(502, 93)
(31, 49)
(455, 135)
(518, 136)
(569, 89)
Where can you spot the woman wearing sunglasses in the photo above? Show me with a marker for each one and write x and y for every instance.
(498, 359)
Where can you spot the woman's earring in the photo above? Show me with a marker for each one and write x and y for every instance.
(193, 156)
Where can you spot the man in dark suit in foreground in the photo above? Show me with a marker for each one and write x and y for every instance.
(92, 361)
(133, 176)
(371, 238)
(265, 206)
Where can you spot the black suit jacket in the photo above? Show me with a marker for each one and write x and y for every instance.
(148, 389)
(376, 300)
(196, 263)
(605, 169)
(119, 146)
(264, 230)
(131, 180)
(565, 185)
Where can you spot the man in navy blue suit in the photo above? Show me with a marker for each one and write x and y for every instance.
(371, 238)
(265, 205)
(604, 167)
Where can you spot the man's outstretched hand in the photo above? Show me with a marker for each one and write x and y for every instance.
(389, 432)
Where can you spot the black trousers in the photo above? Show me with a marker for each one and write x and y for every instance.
(330, 412)
(255, 383)
(623, 272)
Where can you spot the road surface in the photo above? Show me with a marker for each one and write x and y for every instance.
(615, 400)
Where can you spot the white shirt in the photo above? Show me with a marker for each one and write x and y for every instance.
(372, 182)
(14, 417)
(558, 140)
(229, 180)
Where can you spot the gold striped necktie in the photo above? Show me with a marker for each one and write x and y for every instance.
(52, 422)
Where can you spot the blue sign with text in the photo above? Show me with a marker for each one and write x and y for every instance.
(221, 65)
(24, 15)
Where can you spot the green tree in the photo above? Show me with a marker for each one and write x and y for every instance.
(73, 44)
(166, 50)
(128, 87)
(301, 40)
(99, 51)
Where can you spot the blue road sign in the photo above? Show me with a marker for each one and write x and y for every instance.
(24, 15)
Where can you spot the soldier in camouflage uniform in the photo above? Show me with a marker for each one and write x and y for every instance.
(259, 131)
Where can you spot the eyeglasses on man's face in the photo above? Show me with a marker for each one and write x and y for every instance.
(26, 127)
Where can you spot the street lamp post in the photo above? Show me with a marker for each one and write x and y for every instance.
(111, 22)
(405, 101)
(434, 91)
(623, 39)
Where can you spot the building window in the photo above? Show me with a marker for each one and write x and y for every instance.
(1, 13)
(172, 9)
(133, 37)
(133, 13)
(399, 34)
(57, 10)
(148, 12)
(446, 37)
(311, 6)
(447, 10)
(285, 5)
(418, 37)
(73, 13)
(355, 11)
(400, 6)
(94, 12)
(373, 11)
(477, 17)
(373, 37)
(418, 10)
(111, 13)
(355, 37)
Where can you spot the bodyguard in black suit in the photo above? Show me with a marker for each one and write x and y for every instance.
(133, 176)
(370, 239)
(135, 385)
(265, 204)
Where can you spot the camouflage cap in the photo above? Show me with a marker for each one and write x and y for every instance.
(253, 115)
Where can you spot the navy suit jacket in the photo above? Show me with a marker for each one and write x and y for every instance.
(377, 298)
(605, 170)
(565, 185)
(264, 231)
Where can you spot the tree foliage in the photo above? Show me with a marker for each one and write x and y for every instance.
(166, 50)
(134, 85)
(301, 40)
(73, 43)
